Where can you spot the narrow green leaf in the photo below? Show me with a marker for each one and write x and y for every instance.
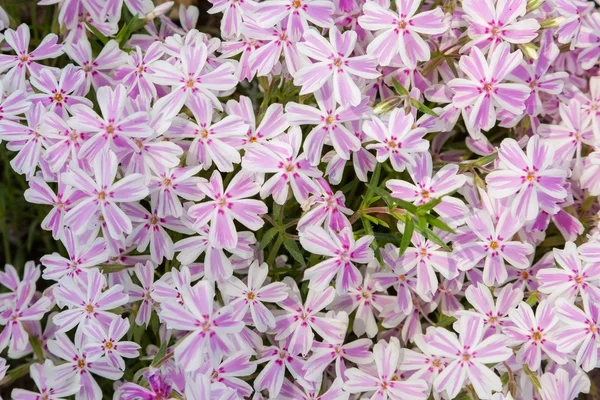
(533, 299)
(422, 107)
(97, 33)
(393, 201)
(485, 160)
(535, 381)
(292, 248)
(409, 228)
(425, 208)
(387, 105)
(267, 238)
(399, 88)
(428, 233)
(437, 223)
(37, 347)
(160, 355)
(445, 321)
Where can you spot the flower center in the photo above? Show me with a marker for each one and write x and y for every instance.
(330, 120)
(436, 363)
(166, 181)
(402, 278)
(593, 328)
(74, 136)
(24, 58)
(251, 295)
(110, 129)
(108, 345)
(81, 364)
(536, 336)
(530, 176)
(494, 245)
(206, 326)
(532, 84)
(466, 356)
(154, 220)
(338, 62)
(87, 68)
(423, 252)
(101, 195)
(488, 87)
(492, 320)
(253, 139)
(190, 83)
(222, 202)
(289, 168)
(579, 279)
(89, 308)
(297, 4)
(425, 194)
(58, 97)
(524, 275)
(392, 144)
(204, 134)
(283, 36)
(366, 294)
(402, 24)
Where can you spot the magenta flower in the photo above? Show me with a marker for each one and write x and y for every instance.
(494, 244)
(86, 300)
(145, 275)
(83, 253)
(103, 195)
(333, 63)
(101, 342)
(24, 60)
(399, 140)
(97, 71)
(298, 321)
(295, 15)
(50, 385)
(484, 90)
(573, 277)
(579, 332)
(469, 357)
(116, 129)
(495, 315)
(211, 142)
(18, 312)
(76, 366)
(329, 124)
(250, 296)
(531, 177)
(491, 24)
(158, 388)
(225, 206)
(384, 379)
(210, 329)
(289, 168)
(399, 32)
(324, 353)
(191, 78)
(428, 187)
(342, 252)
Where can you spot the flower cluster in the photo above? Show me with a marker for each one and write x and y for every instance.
(320, 199)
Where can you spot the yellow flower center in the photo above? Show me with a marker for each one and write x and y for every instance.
(494, 245)
(58, 97)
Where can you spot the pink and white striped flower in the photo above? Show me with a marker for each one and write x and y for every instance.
(102, 342)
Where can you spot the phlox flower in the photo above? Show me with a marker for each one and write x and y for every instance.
(573, 12)
(227, 372)
(103, 195)
(234, 13)
(97, 71)
(383, 380)
(494, 244)
(579, 331)
(171, 184)
(12, 105)
(143, 292)
(101, 342)
(87, 301)
(492, 22)
(325, 208)
(62, 143)
(342, 252)
(278, 360)
(50, 385)
(425, 365)
(324, 353)
(495, 314)
(16, 313)
(290, 391)
(531, 177)
(135, 74)
(24, 60)
(468, 357)
(428, 187)
(399, 31)
(289, 168)
(329, 124)
(588, 39)
(210, 142)
(84, 252)
(298, 321)
(561, 385)
(77, 367)
(158, 388)
(226, 205)
(249, 297)
(9, 278)
(590, 103)
(535, 333)
(334, 64)
(571, 277)
(191, 78)
(116, 129)
(201, 388)
(210, 329)
(295, 14)
(399, 140)
(485, 90)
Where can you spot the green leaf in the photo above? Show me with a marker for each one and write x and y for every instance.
(393, 201)
(428, 234)
(160, 355)
(445, 321)
(376, 221)
(292, 248)
(437, 223)
(399, 88)
(425, 208)
(409, 228)
(37, 347)
(97, 33)
(387, 105)
(533, 299)
(267, 238)
(485, 160)
(422, 107)
(535, 381)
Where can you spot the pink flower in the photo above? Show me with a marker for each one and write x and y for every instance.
(295, 15)
(24, 60)
(225, 206)
(428, 187)
(384, 379)
(171, 184)
(326, 208)
(51, 386)
(569, 27)
(298, 321)
(398, 141)
(102, 342)
(342, 252)
(424, 364)
(485, 90)
(561, 385)
(579, 332)
(333, 63)
(490, 24)
(145, 275)
(210, 329)
(86, 300)
(103, 195)
(495, 314)
(289, 168)
(323, 353)
(278, 360)
(399, 31)
(494, 244)
(136, 73)
(251, 295)
(589, 39)
(234, 12)
(535, 333)
(531, 177)
(469, 357)
(228, 372)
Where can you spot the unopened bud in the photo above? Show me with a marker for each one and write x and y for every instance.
(530, 50)
(159, 10)
(387, 105)
(534, 5)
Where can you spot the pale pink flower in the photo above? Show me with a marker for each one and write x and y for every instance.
(102, 342)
